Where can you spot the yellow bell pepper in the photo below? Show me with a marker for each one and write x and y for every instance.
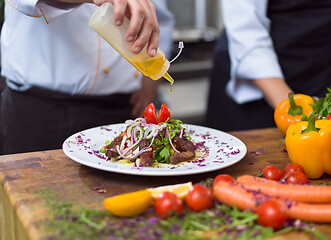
(290, 110)
(309, 144)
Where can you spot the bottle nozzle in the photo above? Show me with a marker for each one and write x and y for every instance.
(180, 46)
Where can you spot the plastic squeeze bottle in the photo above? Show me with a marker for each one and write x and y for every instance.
(102, 21)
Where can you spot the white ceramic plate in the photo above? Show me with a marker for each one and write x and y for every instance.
(217, 150)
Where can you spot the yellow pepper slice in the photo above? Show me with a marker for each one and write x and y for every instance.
(309, 144)
(290, 110)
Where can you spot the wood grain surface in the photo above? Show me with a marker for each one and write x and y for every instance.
(22, 174)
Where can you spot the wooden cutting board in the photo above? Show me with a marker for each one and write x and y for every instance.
(21, 213)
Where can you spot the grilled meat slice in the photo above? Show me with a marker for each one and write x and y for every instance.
(182, 156)
(145, 159)
(183, 144)
(111, 148)
(186, 148)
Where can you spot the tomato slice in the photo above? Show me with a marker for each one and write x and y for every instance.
(150, 114)
(164, 114)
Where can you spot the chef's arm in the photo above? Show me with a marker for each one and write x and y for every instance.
(255, 70)
(143, 28)
(274, 90)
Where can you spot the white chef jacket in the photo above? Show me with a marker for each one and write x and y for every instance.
(250, 48)
(50, 45)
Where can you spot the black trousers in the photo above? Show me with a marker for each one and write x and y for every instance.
(39, 119)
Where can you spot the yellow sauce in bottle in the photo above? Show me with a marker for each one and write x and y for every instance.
(152, 67)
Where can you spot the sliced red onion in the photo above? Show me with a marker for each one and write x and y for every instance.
(141, 120)
(135, 144)
(129, 131)
(140, 152)
(137, 130)
(133, 138)
(167, 131)
(123, 142)
(148, 132)
(119, 152)
(151, 142)
(129, 122)
(181, 133)
(134, 155)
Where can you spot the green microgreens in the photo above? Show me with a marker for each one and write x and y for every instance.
(162, 147)
(321, 107)
(68, 221)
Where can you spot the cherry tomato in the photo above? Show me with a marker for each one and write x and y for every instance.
(272, 172)
(167, 204)
(199, 198)
(293, 167)
(296, 177)
(164, 114)
(151, 117)
(271, 214)
(150, 154)
(150, 114)
(223, 178)
(328, 116)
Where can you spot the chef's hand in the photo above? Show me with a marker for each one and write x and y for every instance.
(274, 90)
(143, 28)
(144, 96)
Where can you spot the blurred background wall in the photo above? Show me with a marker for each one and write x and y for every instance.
(198, 25)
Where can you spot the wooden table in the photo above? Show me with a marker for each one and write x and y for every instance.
(22, 174)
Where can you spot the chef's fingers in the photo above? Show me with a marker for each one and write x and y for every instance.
(153, 41)
(120, 9)
(143, 25)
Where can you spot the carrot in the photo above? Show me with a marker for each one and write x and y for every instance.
(300, 193)
(243, 199)
(233, 194)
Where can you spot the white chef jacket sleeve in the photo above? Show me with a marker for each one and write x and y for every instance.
(166, 23)
(50, 10)
(250, 48)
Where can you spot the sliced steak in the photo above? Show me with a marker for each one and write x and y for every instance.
(186, 148)
(145, 159)
(181, 157)
(183, 144)
(111, 150)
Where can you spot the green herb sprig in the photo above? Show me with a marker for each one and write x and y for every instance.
(321, 107)
(71, 222)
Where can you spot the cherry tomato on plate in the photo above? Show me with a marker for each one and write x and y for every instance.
(223, 178)
(164, 114)
(150, 154)
(296, 177)
(293, 167)
(272, 172)
(151, 117)
(199, 198)
(167, 204)
(271, 214)
(150, 114)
